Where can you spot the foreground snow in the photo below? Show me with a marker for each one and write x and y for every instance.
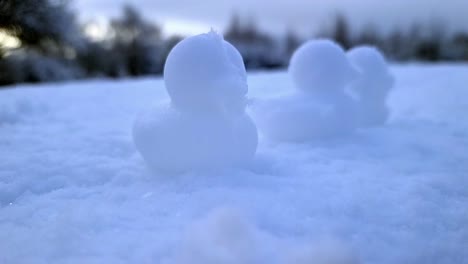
(74, 190)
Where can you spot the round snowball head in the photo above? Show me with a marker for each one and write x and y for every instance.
(320, 66)
(368, 59)
(206, 73)
(375, 79)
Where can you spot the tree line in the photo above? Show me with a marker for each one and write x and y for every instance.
(41, 41)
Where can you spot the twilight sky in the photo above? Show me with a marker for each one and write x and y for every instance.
(192, 17)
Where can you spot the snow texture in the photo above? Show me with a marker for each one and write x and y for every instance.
(74, 189)
(225, 236)
(205, 126)
(372, 86)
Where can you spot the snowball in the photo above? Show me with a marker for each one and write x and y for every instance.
(205, 126)
(204, 73)
(320, 67)
(372, 86)
(368, 59)
(172, 141)
(320, 108)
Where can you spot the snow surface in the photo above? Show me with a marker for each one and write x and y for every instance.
(73, 188)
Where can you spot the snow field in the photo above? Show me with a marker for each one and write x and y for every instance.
(73, 188)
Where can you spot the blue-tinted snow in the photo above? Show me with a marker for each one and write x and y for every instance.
(73, 189)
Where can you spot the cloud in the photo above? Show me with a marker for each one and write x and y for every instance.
(276, 16)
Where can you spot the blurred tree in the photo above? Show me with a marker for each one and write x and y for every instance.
(138, 42)
(430, 46)
(37, 21)
(395, 45)
(337, 29)
(48, 39)
(26, 65)
(169, 44)
(460, 42)
(428, 51)
(257, 48)
(41, 41)
(291, 43)
(100, 60)
(341, 31)
(234, 29)
(368, 36)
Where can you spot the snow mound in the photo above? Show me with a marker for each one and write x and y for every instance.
(324, 251)
(225, 236)
(320, 108)
(221, 237)
(372, 86)
(15, 110)
(73, 188)
(206, 125)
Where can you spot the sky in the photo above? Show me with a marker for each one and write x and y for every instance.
(276, 16)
